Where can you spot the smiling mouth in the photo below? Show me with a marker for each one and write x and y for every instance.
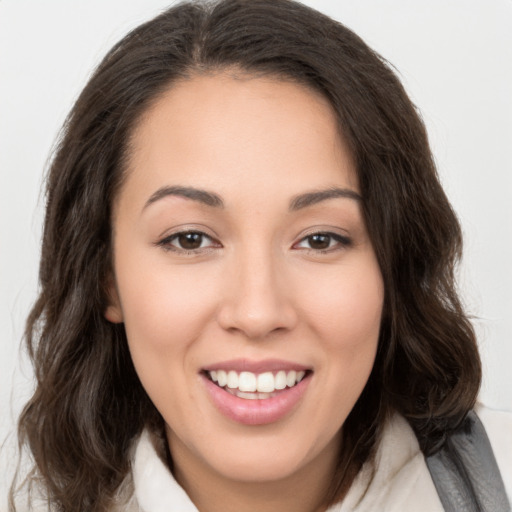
(256, 386)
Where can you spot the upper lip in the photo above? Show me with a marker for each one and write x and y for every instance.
(264, 365)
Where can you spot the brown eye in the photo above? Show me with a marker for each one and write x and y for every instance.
(319, 241)
(189, 241)
(324, 242)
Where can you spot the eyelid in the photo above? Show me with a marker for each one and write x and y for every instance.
(165, 241)
(343, 241)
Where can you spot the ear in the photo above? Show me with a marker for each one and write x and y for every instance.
(113, 312)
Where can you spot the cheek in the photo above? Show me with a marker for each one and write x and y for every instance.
(347, 305)
(343, 307)
(164, 308)
(165, 312)
(345, 310)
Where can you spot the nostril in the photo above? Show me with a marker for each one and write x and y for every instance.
(257, 324)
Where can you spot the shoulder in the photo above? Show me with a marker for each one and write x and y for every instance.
(396, 479)
(498, 425)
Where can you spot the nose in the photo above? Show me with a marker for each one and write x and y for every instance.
(257, 299)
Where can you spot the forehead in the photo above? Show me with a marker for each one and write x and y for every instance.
(233, 133)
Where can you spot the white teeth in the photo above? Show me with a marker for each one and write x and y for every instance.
(249, 396)
(280, 382)
(266, 382)
(247, 381)
(290, 378)
(252, 386)
(232, 379)
(222, 378)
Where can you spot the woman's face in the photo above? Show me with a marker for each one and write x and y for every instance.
(241, 256)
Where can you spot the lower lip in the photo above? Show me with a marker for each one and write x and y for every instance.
(260, 411)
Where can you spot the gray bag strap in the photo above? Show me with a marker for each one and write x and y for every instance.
(465, 472)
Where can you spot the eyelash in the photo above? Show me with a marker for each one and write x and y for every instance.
(341, 242)
(166, 243)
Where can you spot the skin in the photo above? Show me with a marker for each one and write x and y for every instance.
(256, 288)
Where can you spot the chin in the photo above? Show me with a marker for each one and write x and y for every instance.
(261, 468)
(270, 455)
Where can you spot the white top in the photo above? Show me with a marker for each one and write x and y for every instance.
(401, 480)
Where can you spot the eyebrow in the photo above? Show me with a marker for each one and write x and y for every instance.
(311, 198)
(201, 196)
(213, 200)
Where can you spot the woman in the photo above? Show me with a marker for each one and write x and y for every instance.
(247, 293)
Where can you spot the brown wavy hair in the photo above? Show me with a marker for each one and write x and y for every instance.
(88, 405)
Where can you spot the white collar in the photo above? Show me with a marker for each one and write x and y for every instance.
(156, 490)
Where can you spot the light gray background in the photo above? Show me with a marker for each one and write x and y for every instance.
(454, 56)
